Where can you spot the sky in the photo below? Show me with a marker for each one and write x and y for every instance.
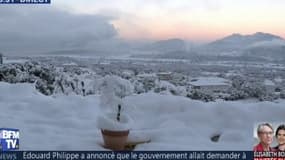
(112, 24)
(196, 20)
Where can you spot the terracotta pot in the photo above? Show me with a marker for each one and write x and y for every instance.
(115, 140)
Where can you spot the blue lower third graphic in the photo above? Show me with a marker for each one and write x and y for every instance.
(25, 1)
(9, 139)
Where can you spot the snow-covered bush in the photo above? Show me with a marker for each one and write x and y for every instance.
(44, 87)
(50, 80)
(114, 89)
(249, 88)
(268, 97)
(148, 81)
(238, 82)
(108, 122)
(138, 87)
(181, 91)
(199, 95)
(30, 72)
(255, 89)
(236, 94)
(165, 87)
(82, 83)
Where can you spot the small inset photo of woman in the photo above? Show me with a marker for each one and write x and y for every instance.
(269, 137)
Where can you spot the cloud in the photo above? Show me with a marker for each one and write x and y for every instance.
(30, 29)
(181, 5)
(271, 43)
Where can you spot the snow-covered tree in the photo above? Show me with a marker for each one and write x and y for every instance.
(138, 87)
(165, 87)
(199, 95)
(236, 94)
(113, 90)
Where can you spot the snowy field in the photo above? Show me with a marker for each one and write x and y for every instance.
(171, 122)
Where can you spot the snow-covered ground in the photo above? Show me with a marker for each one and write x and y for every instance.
(171, 122)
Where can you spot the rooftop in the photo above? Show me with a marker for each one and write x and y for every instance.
(209, 81)
(268, 82)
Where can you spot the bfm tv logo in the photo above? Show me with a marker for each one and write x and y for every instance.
(9, 139)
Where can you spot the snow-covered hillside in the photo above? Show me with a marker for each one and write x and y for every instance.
(164, 46)
(172, 122)
(238, 42)
(235, 47)
(271, 50)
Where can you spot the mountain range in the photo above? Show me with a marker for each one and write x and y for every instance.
(238, 43)
(168, 45)
(261, 45)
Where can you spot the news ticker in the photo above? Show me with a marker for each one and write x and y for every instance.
(141, 155)
(126, 155)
